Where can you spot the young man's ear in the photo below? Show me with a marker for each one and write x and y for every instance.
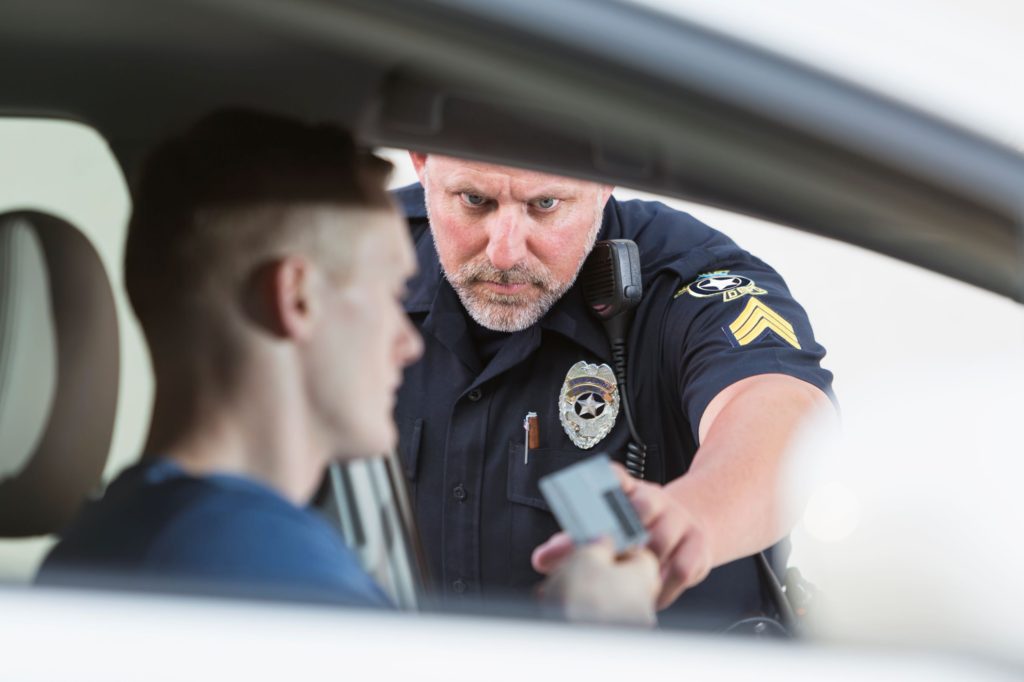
(419, 163)
(280, 295)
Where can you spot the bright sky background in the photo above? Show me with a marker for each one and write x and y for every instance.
(958, 58)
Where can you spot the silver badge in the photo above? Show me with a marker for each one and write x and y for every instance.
(588, 404)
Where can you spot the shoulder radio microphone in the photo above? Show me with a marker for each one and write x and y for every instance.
(612, 288)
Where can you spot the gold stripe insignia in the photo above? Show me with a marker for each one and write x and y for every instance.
(755, 319)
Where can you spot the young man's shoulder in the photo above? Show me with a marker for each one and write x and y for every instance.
(229, 524)
(219, 533)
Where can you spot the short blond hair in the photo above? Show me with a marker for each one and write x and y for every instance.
(239, 186)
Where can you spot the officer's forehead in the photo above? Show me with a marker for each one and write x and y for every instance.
(451, 170)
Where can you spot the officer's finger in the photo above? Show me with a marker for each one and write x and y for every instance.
(650, 502)
(627, 482)
(665, 535)
(548, 556)
(687, 567)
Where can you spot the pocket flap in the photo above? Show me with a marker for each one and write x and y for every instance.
(524, 478)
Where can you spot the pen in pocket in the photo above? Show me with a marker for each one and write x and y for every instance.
(531, 435)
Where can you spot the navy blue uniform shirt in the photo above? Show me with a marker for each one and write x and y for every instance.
(711, 314)
(157, 527)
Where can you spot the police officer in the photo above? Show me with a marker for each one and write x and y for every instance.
(723, 368)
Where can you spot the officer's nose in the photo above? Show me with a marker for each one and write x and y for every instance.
(506, 239)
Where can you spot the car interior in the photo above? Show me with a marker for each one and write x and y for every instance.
(58, 372)
(599, 90)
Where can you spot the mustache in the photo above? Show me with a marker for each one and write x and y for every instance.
(471, 273)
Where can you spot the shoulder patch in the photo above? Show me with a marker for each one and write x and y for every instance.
(721, 283)
(756, 320)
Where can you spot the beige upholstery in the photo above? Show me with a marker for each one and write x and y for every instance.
(28, 349)
(59, 363)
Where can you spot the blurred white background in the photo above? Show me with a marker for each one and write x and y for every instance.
(958, 58)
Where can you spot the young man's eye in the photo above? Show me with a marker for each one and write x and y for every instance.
(546, 203)
(471, 199)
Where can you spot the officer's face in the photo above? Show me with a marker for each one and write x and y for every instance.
(510, 241)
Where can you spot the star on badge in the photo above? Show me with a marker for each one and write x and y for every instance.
(590, 407)
(728, 286)
(719, 283)
(588, 404)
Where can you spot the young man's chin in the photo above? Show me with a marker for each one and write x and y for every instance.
(370, 447)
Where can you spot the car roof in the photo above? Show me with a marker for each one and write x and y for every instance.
(601, 90)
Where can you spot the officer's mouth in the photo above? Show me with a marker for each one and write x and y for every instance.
(506, 289)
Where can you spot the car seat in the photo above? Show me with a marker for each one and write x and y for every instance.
(59, 367)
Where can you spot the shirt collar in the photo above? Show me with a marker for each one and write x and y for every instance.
(424, 285)
(411, 200)
(571, 318)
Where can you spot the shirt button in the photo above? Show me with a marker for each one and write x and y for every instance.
(459, 492)
(475, 394)
(459, 585)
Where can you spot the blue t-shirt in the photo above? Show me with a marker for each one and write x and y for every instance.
(159, 528)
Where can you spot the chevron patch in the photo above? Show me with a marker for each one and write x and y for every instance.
(755, 319)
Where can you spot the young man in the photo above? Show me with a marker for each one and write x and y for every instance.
(267, 266)
(723, 369)
(257, 250)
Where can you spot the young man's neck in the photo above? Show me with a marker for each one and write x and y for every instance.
(270, 443)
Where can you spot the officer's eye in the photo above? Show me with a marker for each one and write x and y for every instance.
(546, 203)
(475, 200)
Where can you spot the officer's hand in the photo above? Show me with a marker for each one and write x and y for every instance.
(677, 536)
(593, 586)
(677, 539)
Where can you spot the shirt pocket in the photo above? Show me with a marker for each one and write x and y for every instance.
(524, 477)
(529, 518)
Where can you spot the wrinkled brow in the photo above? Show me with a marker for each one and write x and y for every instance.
(554, 190)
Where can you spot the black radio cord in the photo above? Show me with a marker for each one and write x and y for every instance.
(636, 451)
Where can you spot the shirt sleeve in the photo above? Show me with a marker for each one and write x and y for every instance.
(732, 322)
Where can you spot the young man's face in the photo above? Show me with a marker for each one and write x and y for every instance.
(510, 241)
(366, 339)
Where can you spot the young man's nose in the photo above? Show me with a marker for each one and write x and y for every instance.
(506, 240)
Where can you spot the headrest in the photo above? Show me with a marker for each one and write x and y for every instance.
(59, 365)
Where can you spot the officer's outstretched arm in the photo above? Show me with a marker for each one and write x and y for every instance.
(727, 506)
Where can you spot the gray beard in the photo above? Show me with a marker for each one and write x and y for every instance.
(505, 313)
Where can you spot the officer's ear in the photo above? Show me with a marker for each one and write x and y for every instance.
(606, 192)
(419, 162)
